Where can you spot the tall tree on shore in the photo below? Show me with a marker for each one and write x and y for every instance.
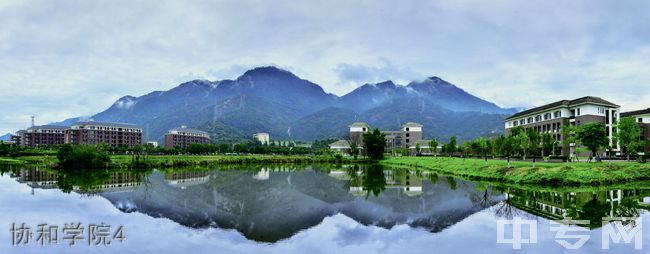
(534, 144)
(504, 146)
(354, 147)
(628, 135)
(523, 140)
(482, 145)
(547, 142)
(452, 147)
(568, 137)
(374, 143)
(433, 144)
(593, 136)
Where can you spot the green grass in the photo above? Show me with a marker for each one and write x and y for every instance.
(556, 174)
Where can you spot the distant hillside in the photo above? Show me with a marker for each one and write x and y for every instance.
(268, 99)
(6, 137)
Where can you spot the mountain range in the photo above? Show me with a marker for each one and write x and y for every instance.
(272, 100)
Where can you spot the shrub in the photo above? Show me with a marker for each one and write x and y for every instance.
(82, 157)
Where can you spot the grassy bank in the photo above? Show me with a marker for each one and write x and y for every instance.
(164, 161)
(556, 174)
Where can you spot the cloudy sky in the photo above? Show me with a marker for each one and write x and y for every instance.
(61, 59)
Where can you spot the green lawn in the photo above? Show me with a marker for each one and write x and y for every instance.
(524, 173)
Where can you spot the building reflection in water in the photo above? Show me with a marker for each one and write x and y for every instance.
(588, 205)
(368, 179)
(81, 182)
(184, 179)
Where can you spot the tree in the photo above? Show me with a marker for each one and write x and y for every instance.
(548, 143)
(628, 135)
(506, 145)
(523, 141)
(433, 144)
(354, 147)
(482, 145)
(452, 146)
(417, 148)
(82, 157)
(569, 137)
(533, 136)
(374, 143)
(593, 136)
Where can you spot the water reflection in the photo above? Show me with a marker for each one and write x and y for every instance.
(273, 202)
(586, 205)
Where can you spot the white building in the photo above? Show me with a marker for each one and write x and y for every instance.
(262, 137)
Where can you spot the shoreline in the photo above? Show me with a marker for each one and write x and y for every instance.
(171, 161)
(543, 174)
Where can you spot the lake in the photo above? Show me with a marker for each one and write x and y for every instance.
(307, 209)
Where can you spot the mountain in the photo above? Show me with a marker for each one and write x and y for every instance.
(5, 137)
(272, 100)
(432, 89)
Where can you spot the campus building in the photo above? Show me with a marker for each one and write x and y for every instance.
(113, 134)
(642, 117)
(19, 138)
(551, 117)
(406, 138)
(182, 137)
(262, 137)
(44, 135)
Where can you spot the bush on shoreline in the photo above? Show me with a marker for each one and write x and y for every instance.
(82, 157)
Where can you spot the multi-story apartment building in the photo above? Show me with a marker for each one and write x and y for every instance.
(183, 137)
(44, 135)
(19, 138)
(113, 134)
(551, 117)
(407, 137)
(642, 117)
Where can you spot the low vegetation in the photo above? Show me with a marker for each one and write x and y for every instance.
(556, 174)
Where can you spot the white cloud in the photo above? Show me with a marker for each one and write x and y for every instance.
(65, 58)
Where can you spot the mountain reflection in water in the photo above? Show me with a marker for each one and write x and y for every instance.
(273, 202)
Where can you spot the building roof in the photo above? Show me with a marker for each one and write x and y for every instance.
(123, 125)
(340, 144)
(567, 103)
(185, 129)
(51, 127)
(359, 124)
(636, 112)
(260, 133)
(412, 124)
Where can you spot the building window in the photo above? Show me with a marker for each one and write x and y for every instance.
(407, 129)
(538, 118)
(407, 134)
(640, 120)
(522, 121)
(407, 140)
(578, 111)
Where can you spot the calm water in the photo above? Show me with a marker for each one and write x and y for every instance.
(305, 209)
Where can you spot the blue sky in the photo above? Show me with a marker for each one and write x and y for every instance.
(61, 59)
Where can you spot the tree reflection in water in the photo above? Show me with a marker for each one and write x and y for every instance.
(374, 180)
(576, 205)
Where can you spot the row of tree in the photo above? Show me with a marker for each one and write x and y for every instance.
(529, 143)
